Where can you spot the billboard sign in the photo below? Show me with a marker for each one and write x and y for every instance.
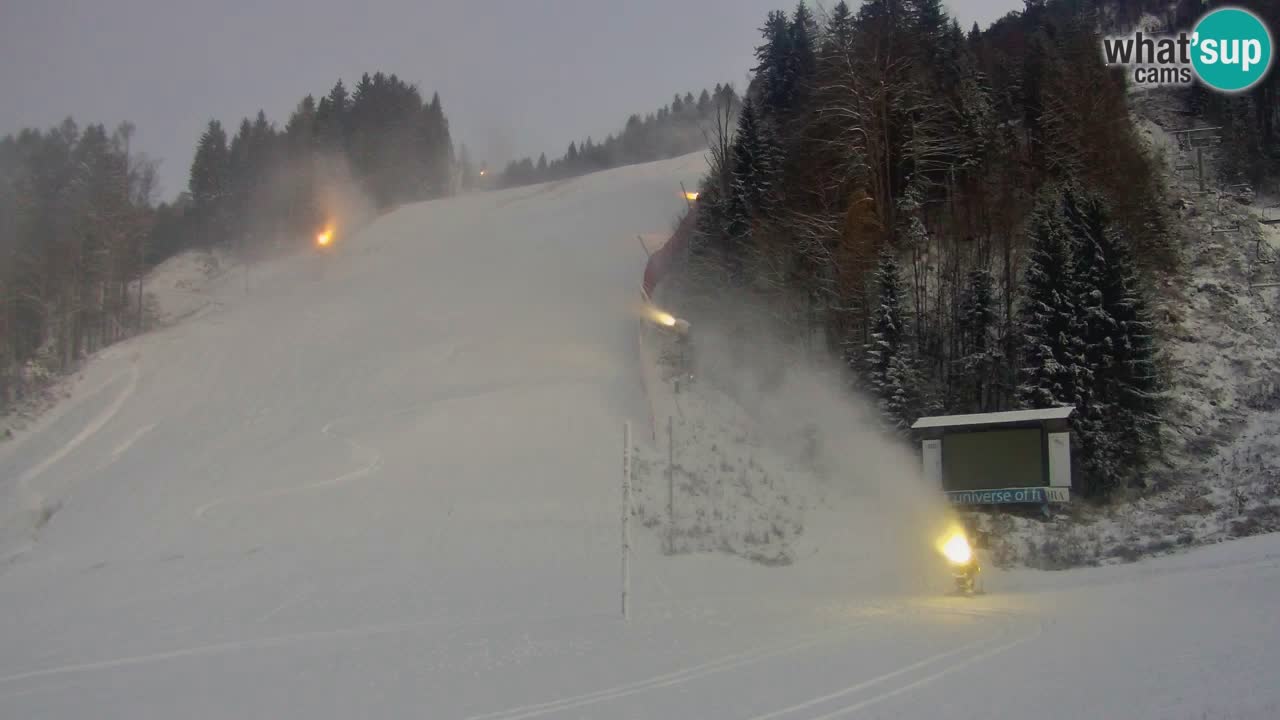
(1010, 496)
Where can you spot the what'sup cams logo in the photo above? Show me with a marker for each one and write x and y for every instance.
(1229, 50)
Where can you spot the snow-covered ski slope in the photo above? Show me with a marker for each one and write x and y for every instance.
(383, 483)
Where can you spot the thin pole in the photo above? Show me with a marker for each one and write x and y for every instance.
(626, 516)
(1200, 165)
(671, 486)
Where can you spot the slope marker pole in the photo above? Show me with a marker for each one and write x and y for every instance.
(626, 517)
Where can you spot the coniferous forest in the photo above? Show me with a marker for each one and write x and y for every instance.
(676, 129)
(968, 219)
(80, 224)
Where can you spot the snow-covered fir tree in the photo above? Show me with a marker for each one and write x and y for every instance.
(802, 61)
(890, 366)
(980, 354)
(1050, 327)
(754, 162)
(775, 71)
(1115, 420)
(1086, 224)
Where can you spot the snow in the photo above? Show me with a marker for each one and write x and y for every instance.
(1010, 416)
(385, 483)
(182, 285)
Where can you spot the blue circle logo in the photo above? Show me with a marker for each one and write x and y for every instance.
(1232, 49)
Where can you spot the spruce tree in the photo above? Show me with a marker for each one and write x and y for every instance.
(333, 120)
(754, 162)
(840, 30)
(1116, 418)
(802, 63)
(775, 71)
(1086, 224)
(890, 366)
(979, 354)
(704, 104)
(438, 157)
(208, 178)
(301, 127)
(929, 20)
(1050, 327)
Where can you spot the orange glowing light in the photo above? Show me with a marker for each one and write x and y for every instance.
(691, 196)
(324, 238)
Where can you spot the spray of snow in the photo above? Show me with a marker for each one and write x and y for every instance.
(819, 455)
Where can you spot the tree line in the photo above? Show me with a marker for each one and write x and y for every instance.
(673, 130)
(80, 225)
(76, 210)
(968, 219)
(269, 185)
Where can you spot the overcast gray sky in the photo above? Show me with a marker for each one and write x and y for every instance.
(517, 77)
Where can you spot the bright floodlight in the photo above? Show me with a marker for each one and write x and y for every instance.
(665, 318)
(324, 238)
(957, 550)
(691, 195)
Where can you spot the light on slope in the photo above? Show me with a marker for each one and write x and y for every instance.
(956, 548)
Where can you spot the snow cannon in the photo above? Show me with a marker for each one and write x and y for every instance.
(963, 561)
(667, 320)
(325, 237)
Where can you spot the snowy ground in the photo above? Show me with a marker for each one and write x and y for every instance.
(186, 284)
(384, 483)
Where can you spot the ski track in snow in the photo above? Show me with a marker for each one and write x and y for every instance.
(123, 447)
(24, 480)
(878, 679)
(288, 603)
(961, 665)
(678, 677)
(263, 643)
(374, 463)
(23, 491)
(766, 653)
(791, 712)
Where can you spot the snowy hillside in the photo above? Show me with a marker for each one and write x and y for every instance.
(1220, 476)
(384, 482)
